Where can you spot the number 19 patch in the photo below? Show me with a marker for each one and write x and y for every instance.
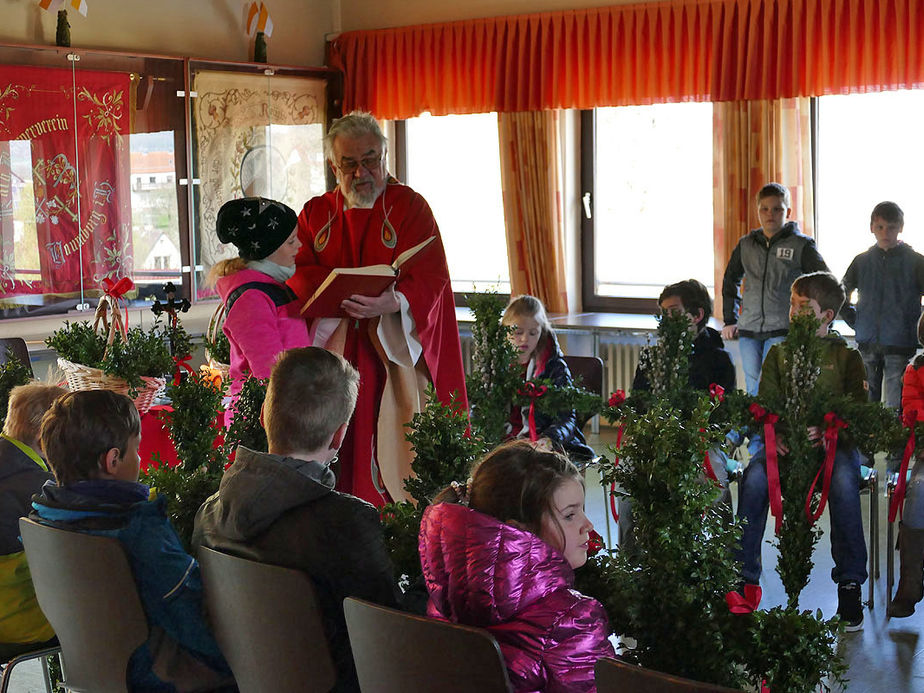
(784, 253)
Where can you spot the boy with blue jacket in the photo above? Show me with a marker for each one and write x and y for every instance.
(889, 280)
(91, 442)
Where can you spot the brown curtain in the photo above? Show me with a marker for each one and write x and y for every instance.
(756, 142)
(677, 50)
(529, 155)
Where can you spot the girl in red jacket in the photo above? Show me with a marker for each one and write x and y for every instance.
(911, 534)
(500, 554)
(262, 318)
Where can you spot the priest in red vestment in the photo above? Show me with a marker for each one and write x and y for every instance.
(400, 339)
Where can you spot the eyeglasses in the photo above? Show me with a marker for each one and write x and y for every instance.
(349, 166)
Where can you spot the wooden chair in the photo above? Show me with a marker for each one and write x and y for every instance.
(396, 652)
(85, 587)
(615, 676)
(267, 621)
(17, 346)
(587, 372)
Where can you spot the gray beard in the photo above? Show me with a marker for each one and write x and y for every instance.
(362, 200)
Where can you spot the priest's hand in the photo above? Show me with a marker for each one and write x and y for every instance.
(361, 307)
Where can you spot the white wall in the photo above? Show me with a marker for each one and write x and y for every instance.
(198, 28)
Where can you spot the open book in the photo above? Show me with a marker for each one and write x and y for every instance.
(370, 280)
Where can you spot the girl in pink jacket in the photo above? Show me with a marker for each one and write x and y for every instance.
(500, 555)
(262, 316)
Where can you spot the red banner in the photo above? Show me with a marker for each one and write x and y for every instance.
(79, 172)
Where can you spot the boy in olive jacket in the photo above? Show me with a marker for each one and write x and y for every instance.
(842, 373)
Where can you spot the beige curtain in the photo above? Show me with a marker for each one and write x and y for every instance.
(529, 156)
(757, 142)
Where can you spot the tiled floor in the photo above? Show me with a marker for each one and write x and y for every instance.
(886, 656)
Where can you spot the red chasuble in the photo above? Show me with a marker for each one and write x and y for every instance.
(334, 237)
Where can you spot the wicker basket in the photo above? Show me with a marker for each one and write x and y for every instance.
(80, 377)
(215, 322)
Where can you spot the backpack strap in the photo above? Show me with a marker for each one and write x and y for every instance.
(280, 294)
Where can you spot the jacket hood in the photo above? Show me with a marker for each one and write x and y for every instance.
(834, 339)
(225, 285)
(789, 228)
(481, 571)
(708, 338)
(260, 487)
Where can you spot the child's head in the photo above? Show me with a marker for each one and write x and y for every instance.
(819, 293)
(538, 491)
(886, 222)
(309, 401)
(689, 296)
(774, 206)
(531, 326)
(27, 406)
(260, 229)
(93, 434)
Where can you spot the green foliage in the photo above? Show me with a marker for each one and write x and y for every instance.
(143, 353)
(668, 590)
(401, 525)
(495, 376)
(196, 404)
(78, 342)
(219, 348)
(246, 428)
(796, 651)
(12, 373)
(558, 399)
(444, 451)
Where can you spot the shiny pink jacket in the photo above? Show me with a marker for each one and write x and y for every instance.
(258, 330)
(485, 573)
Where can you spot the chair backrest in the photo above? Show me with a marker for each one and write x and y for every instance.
(16, 345)
(396, 652)
(614, 676)
(267, 621)
(85, 587)
(587, 372)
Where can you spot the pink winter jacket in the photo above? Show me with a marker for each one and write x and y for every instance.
(485, 573)
(257, 329)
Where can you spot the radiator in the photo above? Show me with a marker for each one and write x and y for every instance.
(620, 360)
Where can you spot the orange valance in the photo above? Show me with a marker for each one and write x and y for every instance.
(688, 50)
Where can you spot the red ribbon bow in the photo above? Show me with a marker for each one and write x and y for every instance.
(833, 424)
(746, 603)
(768, 419)
(181, 364)
(617, 398)
(594, 543)
(534, 392)
(896, 506)
(716, 392)
(117, 289)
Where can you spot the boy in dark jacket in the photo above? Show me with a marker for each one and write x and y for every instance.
(281, 508)
(842, 373)
(889, 280)
(91, 441)
(768, 259)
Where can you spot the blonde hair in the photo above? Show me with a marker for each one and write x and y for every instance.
(224, 268)
(526, 306)
(28, 404)
(311, 393)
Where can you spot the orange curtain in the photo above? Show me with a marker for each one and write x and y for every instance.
(529, 155)
(688, 50)
(756, 142)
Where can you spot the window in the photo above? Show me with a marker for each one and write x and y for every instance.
(651, 194)
(454, 162)
(869, 149)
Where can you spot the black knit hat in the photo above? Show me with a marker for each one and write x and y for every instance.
(256, 225)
